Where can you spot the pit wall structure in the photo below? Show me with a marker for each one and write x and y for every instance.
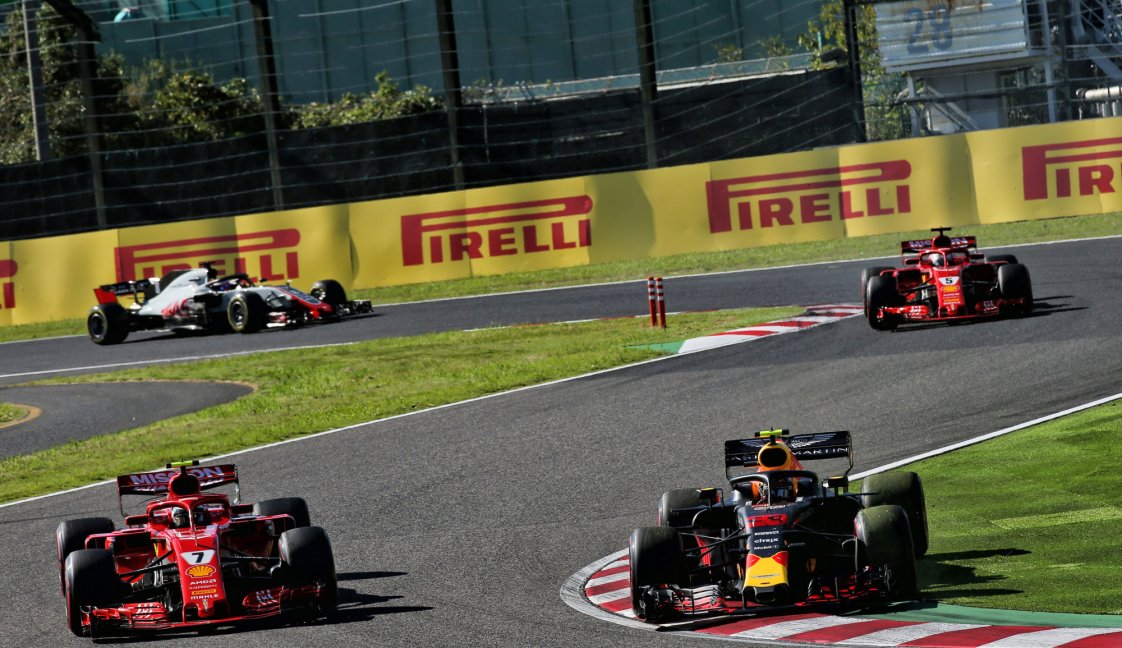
(1067, 169)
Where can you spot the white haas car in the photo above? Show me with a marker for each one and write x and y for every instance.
(198, 300)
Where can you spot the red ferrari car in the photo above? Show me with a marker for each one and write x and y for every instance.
(193, 558)
(945, 280)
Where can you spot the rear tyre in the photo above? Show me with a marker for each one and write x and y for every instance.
(903, 489)
(91, 580)
(1013, 282)
(885, 538)
(996, 258)
(331, 292)
(306, 554)
(108, 323)
(880, 291)
(657, 559)
(71, 536)
(866, 274)
(294, 506)
(246, 312)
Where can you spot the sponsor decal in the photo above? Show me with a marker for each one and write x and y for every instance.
(205, 593)
(163, 476)
(496, 230)
(8, 269)
(1083, 168)
(202, 582)
(812, 196)
(774, 519)
(200, 571)
(270, 255)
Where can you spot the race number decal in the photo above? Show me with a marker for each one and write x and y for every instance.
(199, 557)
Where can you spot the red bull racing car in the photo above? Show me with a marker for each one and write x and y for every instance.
(199, 300)
(945, 280)
(780, 537)
(193, 558)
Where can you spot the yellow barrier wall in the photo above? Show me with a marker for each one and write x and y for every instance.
(957, 180)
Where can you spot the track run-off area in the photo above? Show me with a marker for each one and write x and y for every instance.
(458, 525)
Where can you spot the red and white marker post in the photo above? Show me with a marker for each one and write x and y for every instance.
(661, 297)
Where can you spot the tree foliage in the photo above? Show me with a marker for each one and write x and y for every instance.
(825, 36)
(161, 103)
(386, 102)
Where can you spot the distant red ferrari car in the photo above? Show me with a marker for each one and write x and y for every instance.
(945, 280)
(193, 559)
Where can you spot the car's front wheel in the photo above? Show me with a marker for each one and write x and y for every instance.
(885, 538)
(246, 312)
(657, 560)
(91, 581)
(306, 554)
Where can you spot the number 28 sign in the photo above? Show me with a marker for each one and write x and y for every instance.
(929, 34)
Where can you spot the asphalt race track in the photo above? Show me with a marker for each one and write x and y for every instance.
(457, 526)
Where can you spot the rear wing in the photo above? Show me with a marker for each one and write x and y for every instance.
(914, 247)
(743, 453)
(108, 293)
(155, 483)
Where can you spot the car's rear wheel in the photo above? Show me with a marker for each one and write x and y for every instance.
(108, 323)
(657, 559)
(71, 536)
(246, 312)
(294, 506)
(1013, 282)
(880, 291)
(1001, 258)
(885, 539)
(904, 489)
(306, 554)
(91, 581)
(331, 292)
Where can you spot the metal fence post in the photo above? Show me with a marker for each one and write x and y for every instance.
(453, 96)
(648, 82)
(849, 8)
(87, 68)
(267, 69)
(35, 76)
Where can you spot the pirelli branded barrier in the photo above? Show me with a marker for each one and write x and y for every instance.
(998, 176)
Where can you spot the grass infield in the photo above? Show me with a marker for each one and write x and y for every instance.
(10, 413)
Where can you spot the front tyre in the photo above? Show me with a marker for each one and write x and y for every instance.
(331, 292)
(70, 536)
(657, 560)
(880, 292)
(1013, 282)
(108, 323)
(246, 312)
(306, 554)
(91, 581)
(885, 538)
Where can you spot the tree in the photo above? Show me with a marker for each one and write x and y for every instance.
(825, 36)
(386, 102)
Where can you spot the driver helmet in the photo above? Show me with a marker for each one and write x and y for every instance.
(180, 518)
(935, 259)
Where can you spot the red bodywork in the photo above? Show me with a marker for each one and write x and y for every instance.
(944, 279)
(201, 559)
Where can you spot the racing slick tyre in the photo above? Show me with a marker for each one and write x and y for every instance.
(331, 292)
(1013, 282)
(997, 258)
(71, 536)
(91, 580)
(885, 539)
(246, 312)
(657, 559)
(866, 274)
(294, 506)
(306, 555)
(108, 323)
(880, 291)
(904, 489)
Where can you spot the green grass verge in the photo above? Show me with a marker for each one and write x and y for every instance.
(1029, 521)
(301, 392)
(9, 413)
(989, 236)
